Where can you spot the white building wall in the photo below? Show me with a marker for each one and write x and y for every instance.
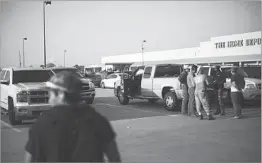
(211, 48)
(152, 56)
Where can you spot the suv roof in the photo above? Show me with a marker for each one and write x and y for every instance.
(60, 68)
(23, 69)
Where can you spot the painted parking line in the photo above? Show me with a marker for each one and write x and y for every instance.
(10, 126)
(131, 108)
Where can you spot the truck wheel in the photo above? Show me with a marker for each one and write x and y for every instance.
(123, 100)
(90, 101)
(170, 100)
(11, 114)
(152, 101)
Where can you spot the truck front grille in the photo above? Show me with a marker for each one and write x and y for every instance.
(85, 87)
(38, 97)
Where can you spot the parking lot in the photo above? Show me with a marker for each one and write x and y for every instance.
(148, 133)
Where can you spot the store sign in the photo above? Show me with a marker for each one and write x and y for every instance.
(238, 43)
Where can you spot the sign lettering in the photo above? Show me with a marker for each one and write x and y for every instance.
(238, 43)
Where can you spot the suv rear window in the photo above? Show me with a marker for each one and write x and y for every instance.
(167, 71)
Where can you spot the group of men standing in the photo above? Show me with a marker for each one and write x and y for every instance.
(195, 95)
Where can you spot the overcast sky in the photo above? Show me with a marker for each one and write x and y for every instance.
(89, 30)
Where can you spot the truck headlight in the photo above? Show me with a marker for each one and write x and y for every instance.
(250, 87)
(22, 96)
(91, 85)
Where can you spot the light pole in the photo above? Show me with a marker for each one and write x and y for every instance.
(44, 4)
(24, 51)
(20, 63)
(144, 41)
(64, 57)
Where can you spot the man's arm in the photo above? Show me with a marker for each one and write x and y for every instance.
(112, 152)
(107, 139)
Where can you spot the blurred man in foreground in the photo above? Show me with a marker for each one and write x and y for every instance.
(70, 131)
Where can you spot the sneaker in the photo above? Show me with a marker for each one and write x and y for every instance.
(222, 114)
(236, 117)
(201, 117)
(210, 117)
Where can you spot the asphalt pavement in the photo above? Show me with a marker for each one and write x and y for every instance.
(148, 133)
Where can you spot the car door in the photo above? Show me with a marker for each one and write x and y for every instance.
(114, 78)
(109, 81)
(4, 90)
(147, 82)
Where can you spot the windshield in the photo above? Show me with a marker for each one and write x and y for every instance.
(76, 71)
(31, 76)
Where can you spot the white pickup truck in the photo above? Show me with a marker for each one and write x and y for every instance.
(152, 82)
(88, 88)
(252, 90)
(22, 95)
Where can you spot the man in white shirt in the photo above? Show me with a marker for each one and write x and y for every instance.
(201, 83)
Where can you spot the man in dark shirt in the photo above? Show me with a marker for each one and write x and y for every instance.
(237, 85)
(183, 79)
(70, 131)
(219, 80)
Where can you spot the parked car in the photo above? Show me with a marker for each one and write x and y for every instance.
(22, 93)
(152, 82)
(95, 78)
(109, 81)
(88, 88)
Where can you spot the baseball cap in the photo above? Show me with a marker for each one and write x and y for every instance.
(234, 69)
(65, 81)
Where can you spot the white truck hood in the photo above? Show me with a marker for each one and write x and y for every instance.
(30, 86)
(85, 80)
(253, 80)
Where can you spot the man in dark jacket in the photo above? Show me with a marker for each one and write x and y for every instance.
(219, 80)
(70, 131)
(237, 85)
(183, 79)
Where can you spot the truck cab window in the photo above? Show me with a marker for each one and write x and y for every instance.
(147, 73)
(2, 75)
(7, 76)
(167, 71)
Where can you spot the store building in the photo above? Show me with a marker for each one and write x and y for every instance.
(235, 49)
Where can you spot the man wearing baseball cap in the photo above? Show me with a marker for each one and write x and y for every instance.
(70, 131)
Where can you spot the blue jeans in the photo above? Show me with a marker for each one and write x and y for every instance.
(237, 100)
(191, 102)
(185, 99)
(201, 99)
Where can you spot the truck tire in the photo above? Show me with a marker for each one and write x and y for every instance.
(152, 101)
(11, 114)
(90, 101)
(123, 100)
(170, 100)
